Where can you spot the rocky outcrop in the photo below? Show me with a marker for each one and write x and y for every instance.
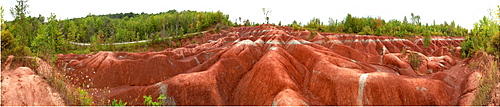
(274, 65)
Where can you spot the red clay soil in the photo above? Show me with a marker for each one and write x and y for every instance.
(273, 65)
(495, 96)
(22, 87)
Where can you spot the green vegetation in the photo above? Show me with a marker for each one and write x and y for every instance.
(484, 39)
(11, 44)
(484, 36)
(266, 14)
(46, 36)
(148, 100)
(378, 26)
(122, 28)
(118, 103)
(85, 100)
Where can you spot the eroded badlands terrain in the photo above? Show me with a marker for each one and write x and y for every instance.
(274, 65)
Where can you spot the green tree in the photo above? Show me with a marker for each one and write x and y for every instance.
(480, 36)
(266, 14)
(316, 25)
(46, 43)
(21, 27)
(12, 42)
(415, 19)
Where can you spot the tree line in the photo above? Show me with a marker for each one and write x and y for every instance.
(485, 36)
(381, 27)
(46, 36)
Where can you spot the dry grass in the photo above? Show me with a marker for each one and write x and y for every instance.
(488, 66)
(70, 94)
(415, 60)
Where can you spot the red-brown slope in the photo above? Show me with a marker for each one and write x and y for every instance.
(272, 65)
(22, 87)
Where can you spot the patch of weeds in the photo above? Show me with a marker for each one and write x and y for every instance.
(84, 99)
(488, 66)
(25, 61)
(487, 82)
(179, 44)
(451, 48)
(148, 100)
(473, 65)
(71, 96)
(118, 103)
(404, 50)
(415, 60)
(313, 34)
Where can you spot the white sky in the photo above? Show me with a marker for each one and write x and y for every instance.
(463, 12)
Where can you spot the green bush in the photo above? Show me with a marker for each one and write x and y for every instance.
(367, 31)
(427, 38)
(494, 44)
(484, 36)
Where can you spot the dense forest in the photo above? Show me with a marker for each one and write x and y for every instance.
(45, 36)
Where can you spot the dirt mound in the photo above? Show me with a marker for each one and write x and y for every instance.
(274, 65)
(22, 87)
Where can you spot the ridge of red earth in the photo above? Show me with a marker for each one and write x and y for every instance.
(275, 65)
(23, 87)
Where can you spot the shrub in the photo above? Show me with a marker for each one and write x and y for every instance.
(415, 60)
(10, 45)
(494, 45)
(367, 30)
(427, 38)
(312, 35)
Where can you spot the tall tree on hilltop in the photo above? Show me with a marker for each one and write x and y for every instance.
(266, 14)
(20, 10)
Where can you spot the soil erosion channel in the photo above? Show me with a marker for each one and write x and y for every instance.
(274, 65)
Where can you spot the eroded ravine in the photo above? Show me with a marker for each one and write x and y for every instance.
(273, 65)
